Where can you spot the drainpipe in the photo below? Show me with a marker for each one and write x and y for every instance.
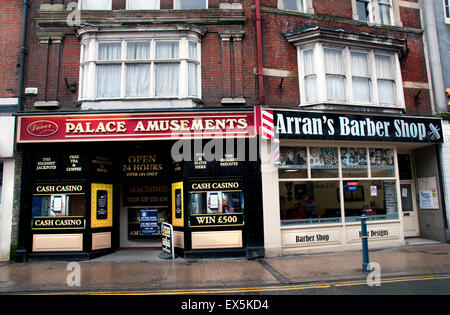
(23, 51)
(259, 53)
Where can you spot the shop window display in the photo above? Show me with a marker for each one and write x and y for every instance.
(310, 191)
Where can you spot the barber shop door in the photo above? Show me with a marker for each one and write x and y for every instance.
(410, 219)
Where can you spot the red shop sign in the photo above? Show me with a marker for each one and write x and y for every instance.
(116, 127)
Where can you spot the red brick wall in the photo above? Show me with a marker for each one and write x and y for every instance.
(229, 68)
(11, 34)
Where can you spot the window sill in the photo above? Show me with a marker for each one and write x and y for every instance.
(354, 107)
(148, 103)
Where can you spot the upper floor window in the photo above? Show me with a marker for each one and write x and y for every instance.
(190, 4)
(345, 75)
(375, 11)
(142, 4)
(130, 69)
(292, 5)
(95, 4)
(447, 11)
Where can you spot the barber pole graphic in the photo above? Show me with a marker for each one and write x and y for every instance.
(267, 126)
(276, 151)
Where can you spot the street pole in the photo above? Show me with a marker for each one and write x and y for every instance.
(365, 245)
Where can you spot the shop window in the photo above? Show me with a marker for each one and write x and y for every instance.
(59, 206)
(95, 5)
(142, 4)
(309, 203)
(310, 189)
(354, 162)
(190, 4)
(216, 202)
(382, 162)
(377, 199)
(293, 162)
(324, 162)
(349, 76)
(139, 69)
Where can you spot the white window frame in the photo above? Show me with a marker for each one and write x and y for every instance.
(374, 12)
(370, 18)
(303, 3)
(158, 3)
(82, 2)
(176, 5)
(92, 61)
(446, 4)
(321, 87)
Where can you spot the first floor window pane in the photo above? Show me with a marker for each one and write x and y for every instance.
(109, 51)
(361, 90)
(95, 4)
(377, 199)
(166, 50)
(193, 89)
(382, 162)
(166, 78)
(311, 88)
(136, 51)
(293, 162)
(385, 11)
(190, 4)
(336, 87)
(293, 5)
(142, 4)
(386, 92)
(362, 7)
(138, 80)
(84, 80)
(323, 162)
(108, 80)
(309, 203)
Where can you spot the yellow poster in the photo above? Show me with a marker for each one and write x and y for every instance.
(101, 205)
(177, 205)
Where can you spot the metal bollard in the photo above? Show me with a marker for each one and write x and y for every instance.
(365, 245)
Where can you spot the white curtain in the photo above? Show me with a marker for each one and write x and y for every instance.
(108, 80)
(310, 75)
(386, 79)
(96, 5)
(109, 51)
(293, 5)
(138, 80)
(361, 77)
(166, 50)
(192, 53)
(166, 74)
(335, 74)
(193, 90)
(109, 75)
(142, 4)
(166, 77)
(138, 51)
(385, 11)
(190, 4)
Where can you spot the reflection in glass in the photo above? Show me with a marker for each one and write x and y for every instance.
(309, 203)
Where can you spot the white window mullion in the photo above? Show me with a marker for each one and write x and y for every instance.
(92, 70)
(184, 72)
(348, 76)
(152, 69)
(376, 98)
(321, 80)
(123, 76)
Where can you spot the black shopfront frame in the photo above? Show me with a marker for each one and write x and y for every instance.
(99, 163)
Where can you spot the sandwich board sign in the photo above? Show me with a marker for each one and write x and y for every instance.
(167, 240)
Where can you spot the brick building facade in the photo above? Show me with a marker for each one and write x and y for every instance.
(365, 59)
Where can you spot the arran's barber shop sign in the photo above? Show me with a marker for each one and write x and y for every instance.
(326, 126)
(133, 126)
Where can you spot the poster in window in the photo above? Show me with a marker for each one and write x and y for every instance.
(323, 157)
(177, 204)
(293, 157)
(101, 205)
(354, 157)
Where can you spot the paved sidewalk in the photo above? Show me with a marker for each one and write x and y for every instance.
(127, 270)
